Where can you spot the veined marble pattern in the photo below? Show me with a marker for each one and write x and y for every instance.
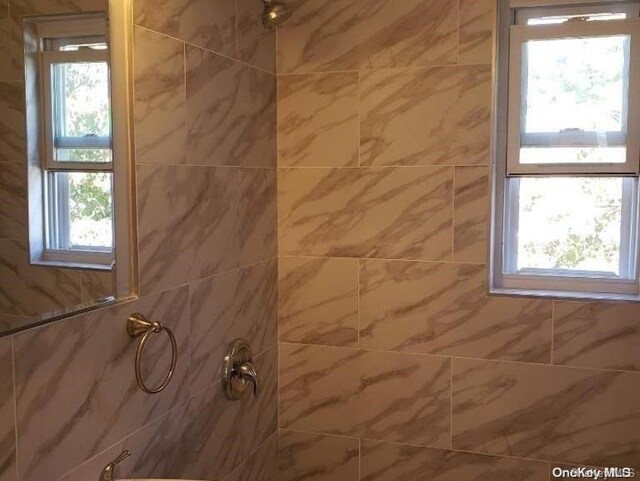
(563, 414)
(305, 456)
(7, 414)
(324, 35)
(433, 116)
(97, 284)
(477, 18)
(598, 334)
(393, 462)
(318, 120)
(377, 212)
(240, 303)
(318, 301)
(76, 392)
(470, 214)
(160, 98)
(5, 57)
(12, 123)
(31, 289)
(443, 309)
(207, 23)
(231, 112)
(377, 395)
(13, 200)
(91, 469)
(261, 466)
(256, 44)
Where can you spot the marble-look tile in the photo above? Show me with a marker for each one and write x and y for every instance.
(91, 470)
(13, 201)
(207, 23)
(392, 462)
(160, 98)
(12, 123)
(433, 116)
(26, 289)
(256, 45)
(187, 224)
(443, 309)
(240, 303)
(597, 334)
(10, 322)
(5, 56)
(383, 212)
(97, 284)
(324, 35)
(477, 18)
(560, 414)
(470, 214)
(377, 395)
(7, 413)
(75, 384)
(315, 457)
(318, 120)
(318, 301)
(231, 112)
(261, 466)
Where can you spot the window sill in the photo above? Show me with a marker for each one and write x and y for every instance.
(74, 265)
(563, 295)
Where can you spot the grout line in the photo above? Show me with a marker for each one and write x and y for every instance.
(451, 403)
(359, 95)
(382, 259)
(453, 213)
(366, 166)
(359, 459)
(358, 300)
(15, 405)
(408, 68)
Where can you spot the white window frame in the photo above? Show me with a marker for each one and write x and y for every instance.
(503, 276)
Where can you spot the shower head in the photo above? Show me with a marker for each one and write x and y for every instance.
(274, 13)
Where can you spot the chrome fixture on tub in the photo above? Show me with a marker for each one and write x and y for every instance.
(107, 473)
(238, 371)
(274, 13)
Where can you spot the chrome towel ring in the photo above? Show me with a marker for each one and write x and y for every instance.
(138, 325)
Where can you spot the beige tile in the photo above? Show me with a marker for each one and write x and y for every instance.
(8, 467)
(160, 99)
(324, 35)
(470, 214)
(377, 395)
(561, 414)
(375, 212)
(240, 303)
(207, 23)
(13, 201)
(393, 462)
(443, 309)
(477, 18)
(5, 55)
(76, 390)
(318, 301)
(256, 44)
(318, 120)
(231, 112)
(435, 116)
(597, 334)
(262, 465)
(97, 284)
(92, 468)
(316, 457)
(12, 123)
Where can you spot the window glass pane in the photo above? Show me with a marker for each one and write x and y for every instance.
(82, 114)
(575, 99)
(590, 17)
(570, 223)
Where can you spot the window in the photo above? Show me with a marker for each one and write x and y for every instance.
(567, 151)
(76, 141)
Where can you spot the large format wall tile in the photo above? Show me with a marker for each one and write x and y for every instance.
(598, 334)
(377, 395)
(443, 309)
(376, 212)
(318, 120)
(240, 303)
(7, 414)
(206, 23)
(324, 35)
(75, 384)
(187, 223)
(477, 18)
(262, 465)
(434, 116)
(317, 457)
(471, 214)
(564, 414)
(256, 44)
(160, 99)
(13, 201)
(394, 462)
(231, 112)
(12, 123)
(318, 301)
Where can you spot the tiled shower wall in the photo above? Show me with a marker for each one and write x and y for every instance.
(205, 132)
(394, 364)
